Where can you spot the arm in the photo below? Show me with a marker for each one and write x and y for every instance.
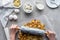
(13, 30)
(51, 35)
(12, 37)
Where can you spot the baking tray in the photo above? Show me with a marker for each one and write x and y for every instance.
(44, 19)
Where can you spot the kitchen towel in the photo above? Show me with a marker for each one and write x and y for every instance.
(4, 20)
(4, 17)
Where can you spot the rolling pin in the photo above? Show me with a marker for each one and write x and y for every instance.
(33, 31)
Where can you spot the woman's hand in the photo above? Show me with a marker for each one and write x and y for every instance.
(51, 35)
(13, 30)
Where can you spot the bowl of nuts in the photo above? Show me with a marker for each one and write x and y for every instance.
(17, 3)
(28, 8)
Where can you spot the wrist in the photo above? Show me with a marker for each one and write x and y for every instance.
(52, 39)
(12, 36)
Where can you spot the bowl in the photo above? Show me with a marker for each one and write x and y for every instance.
(16, 4)
(28, 8)
(39, 6)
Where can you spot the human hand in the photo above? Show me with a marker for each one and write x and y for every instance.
(51, 35)
(13, 30)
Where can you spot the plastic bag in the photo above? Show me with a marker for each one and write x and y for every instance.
(44, 19)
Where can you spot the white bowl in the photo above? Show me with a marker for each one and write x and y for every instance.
(28, 8)
(40, 6)
(19, 5)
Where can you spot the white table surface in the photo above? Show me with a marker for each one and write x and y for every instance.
(51, 13)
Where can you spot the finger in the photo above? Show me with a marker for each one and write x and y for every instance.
(10, 27)
(48, 32)
(17, 28)
(51, 33)
(48, 36)
(13, 26)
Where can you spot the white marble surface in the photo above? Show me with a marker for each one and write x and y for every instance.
(54, 14)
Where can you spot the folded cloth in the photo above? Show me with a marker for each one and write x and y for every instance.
(7, 33)
(0, 2)
(6, 2)
(4, 18)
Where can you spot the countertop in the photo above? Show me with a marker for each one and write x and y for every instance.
(53, 14)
